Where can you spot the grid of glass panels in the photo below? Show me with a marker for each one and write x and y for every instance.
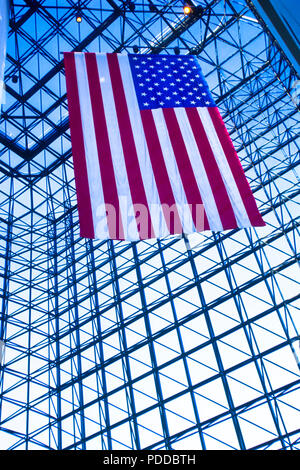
(179, 343)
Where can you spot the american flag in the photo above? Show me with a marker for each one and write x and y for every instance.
(152, 156)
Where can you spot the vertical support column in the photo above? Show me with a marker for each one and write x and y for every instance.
(99, 346)
(215, 346)
(5, 292)
(53, 272)
(72, 280)
(28, 354)
(184, 359)
(123, 344)
(158, 387)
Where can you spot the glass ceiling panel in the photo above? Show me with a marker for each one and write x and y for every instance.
(178, 343)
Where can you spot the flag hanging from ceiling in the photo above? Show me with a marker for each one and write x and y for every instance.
(152, 156)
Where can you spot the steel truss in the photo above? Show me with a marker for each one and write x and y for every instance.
(179, 343)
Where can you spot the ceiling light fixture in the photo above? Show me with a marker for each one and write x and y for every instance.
(188, 7)
(78, 13)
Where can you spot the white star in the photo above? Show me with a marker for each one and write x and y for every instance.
(161, 103)
(146, 104)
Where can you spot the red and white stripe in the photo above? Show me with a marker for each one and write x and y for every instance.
(126, 158)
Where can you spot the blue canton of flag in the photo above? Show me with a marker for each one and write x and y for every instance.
(168, 81)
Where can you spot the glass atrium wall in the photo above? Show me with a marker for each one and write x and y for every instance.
(178, 343)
